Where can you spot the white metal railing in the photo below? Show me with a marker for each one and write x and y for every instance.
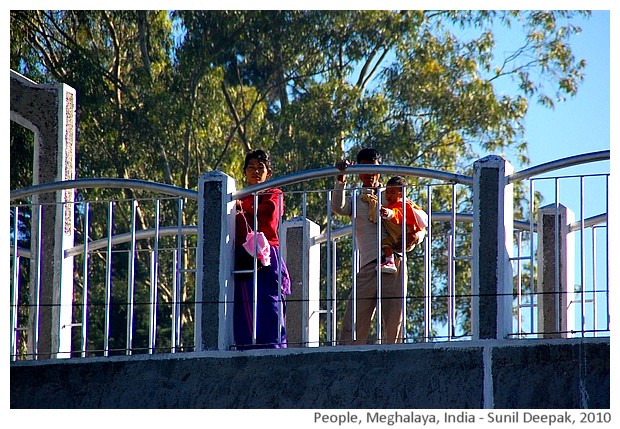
(434, 308)
(154, 267)
(336, 240)
(587, 248)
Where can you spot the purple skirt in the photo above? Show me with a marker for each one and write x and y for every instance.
(270, 312)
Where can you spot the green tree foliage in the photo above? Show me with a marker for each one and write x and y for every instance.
(167, 90)
(167, 96)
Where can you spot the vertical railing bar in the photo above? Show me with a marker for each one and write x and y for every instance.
(15, 286)
(519, 294)
(449, 285)
(607, 246)
(452, 251)
(37, 282)
(176, 328)
(85, 288)
(582, 252)
(557, 256)
(403, 266)
(304, 271)
(255, 274)
(427, 268)
(280, 205)
(179, 271)
(151, 301)
(594, 283)
(532, 256)
(328, 273)
(333, 291)
(131, 279)
(155, 281)
(154, 273)
(379, 273)
(108, 282)
(354, 264)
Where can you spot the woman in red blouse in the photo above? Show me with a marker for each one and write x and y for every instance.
(272, 274)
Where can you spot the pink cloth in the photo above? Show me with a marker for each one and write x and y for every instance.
(258, 241)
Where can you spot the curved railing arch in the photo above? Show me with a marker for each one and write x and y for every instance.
(558, 164)
(115, 183)
(303, 176)
(383, 169)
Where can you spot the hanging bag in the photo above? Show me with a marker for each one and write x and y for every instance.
(256, 243)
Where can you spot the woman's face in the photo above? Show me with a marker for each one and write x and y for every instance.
(369, 180)
(256, 172)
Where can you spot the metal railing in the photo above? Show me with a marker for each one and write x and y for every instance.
(134, 287)
(585, 242)
(123, 273)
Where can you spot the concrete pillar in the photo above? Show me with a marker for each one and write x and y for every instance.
(492, 249)
(303, 259)
(215, 262)
(50, 112)
(555, 286)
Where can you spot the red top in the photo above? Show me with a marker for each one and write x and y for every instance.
(270, 209)
(411, 220)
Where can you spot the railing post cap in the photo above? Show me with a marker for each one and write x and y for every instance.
(495, 159)
(213, 174)
(551, 207)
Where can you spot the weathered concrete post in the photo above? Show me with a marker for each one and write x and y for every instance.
(214, 262)
(492, 248)
(49, 112)
(555, 286)
(303, 259)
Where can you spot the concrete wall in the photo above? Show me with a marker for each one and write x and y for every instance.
(461, 375)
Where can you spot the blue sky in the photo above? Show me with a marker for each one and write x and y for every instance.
(582, 123)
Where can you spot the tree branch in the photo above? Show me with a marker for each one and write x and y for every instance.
(239, 127)
(143, 40)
